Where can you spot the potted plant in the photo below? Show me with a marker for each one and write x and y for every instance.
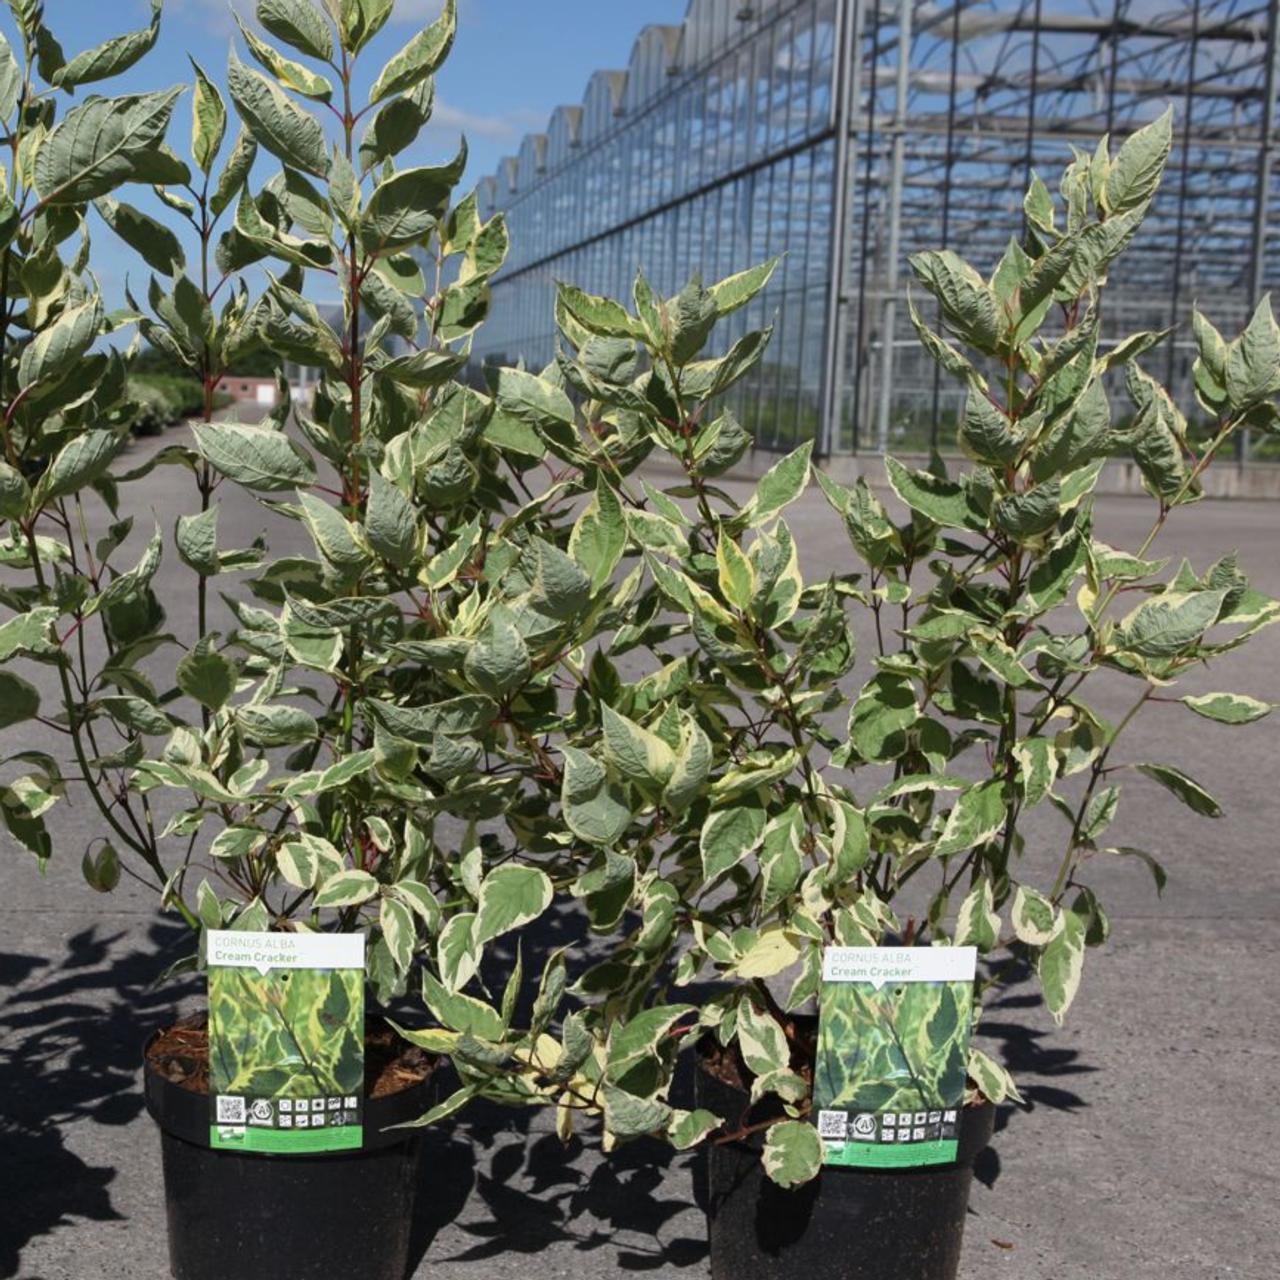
(736, 812)
(313, 743)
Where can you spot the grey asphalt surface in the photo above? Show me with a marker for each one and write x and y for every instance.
(1147, 1150)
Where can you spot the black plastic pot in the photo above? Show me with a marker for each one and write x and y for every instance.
(246, 1216)
(850, 1224)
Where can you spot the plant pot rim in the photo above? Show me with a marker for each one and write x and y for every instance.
(184, 1113)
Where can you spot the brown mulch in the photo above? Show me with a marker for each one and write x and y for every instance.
(180, 1054)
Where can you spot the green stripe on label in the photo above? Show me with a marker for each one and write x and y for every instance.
(283, 1142)
(889, 1155)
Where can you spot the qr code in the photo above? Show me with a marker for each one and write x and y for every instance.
(833, 1124)
(230, 1110)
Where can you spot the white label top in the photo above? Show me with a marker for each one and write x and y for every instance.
(236, 949)
(878, 965)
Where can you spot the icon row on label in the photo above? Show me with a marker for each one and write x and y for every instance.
(915, 1118)
(316, 1104)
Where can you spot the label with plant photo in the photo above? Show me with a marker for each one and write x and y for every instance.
(286, 1041)
(893, 1046)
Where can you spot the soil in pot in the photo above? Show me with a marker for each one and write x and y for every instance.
(850, 1224)
(246, 1216)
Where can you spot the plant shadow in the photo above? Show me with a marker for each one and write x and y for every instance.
(1040, 1065)
(71, 1032)
(498, 1183)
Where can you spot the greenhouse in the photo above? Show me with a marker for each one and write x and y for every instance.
(847, 136)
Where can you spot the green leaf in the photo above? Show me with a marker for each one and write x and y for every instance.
(559, 589)
(459, 1012)
(626, 1116)
(155, 243)
(299, 24)
(594, 807)
(420, 58)
(10, 80)
(19, 699)
(1136, 171)
(736, 576)
(391, 523)
(78, 463)
(1253, 359)
(334, 535)
(969, 308)
(298, 864)
(599, 536)
(986, 434)
(942, 501)
(398, 932)
(28, 633)
(109, 58)
(1228, 708)
(290, 74)
(638, 754)
(688, 1128)
(396, 124)
(1030, 513)
(15, 494)
(232, 179)
(1166, 625)
(510, 896)
(781, 485)
(640, 1039)
(978, 814)
(405, 207)
(101, 870)
(728, 836)
(102, 144)
(792, 1152)
(256, 457)
(1158, 873)
(1186, 788)
(885, 709)
(761, 1039)
(275, 121)
(601, 316)
(207, 677)
(499, 661)
(1034, 918)
(993, 1081)
(1060, 965)
(737, 290)
(977, 923)
(692, 767)
(208, 120)
(58, 346)
(276, 725)
(346, 889)
(532, 399)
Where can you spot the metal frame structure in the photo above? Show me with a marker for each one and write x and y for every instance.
(849, 134)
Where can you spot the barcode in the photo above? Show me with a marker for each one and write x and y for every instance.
(230, 1110)
(833, 1124)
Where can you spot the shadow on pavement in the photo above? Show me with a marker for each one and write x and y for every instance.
(71, 1034)
(527, 1191)
(1040, 1069)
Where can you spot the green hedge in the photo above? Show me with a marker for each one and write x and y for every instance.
(163, 399)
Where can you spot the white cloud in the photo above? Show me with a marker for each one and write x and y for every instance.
(506, 126)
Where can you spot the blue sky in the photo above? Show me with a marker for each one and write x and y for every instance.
(513, 62)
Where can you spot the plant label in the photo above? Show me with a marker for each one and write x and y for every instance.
(893, 1052)
(286, 1041)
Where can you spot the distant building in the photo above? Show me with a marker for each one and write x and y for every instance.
(256, 390)
(796, 126)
